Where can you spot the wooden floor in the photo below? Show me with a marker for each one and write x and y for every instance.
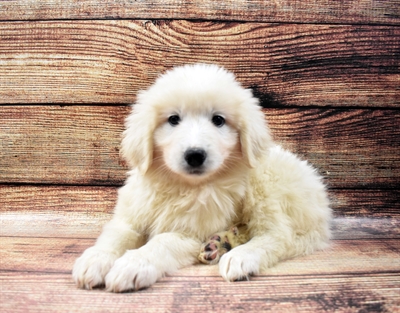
(360, 272)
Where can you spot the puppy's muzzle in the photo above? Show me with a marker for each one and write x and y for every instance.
(195, 158)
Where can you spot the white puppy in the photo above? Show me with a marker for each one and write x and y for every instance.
(202, 160)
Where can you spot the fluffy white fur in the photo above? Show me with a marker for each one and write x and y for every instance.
(166, 210)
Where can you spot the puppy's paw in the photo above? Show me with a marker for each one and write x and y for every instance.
(131, 272)
(220, 243)
(91, 267)
(239, 264)
(212, 250)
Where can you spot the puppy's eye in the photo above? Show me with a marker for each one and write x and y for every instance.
(218, 120)
(174, 120)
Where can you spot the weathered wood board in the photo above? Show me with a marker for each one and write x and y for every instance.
(349, 256)
(359, 271)
(82, 210)
(306, 11)
(288, 64)
(362, 273)
(80, 144)
(40, 292)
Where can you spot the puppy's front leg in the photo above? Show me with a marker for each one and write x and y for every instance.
(140, 268)
(91, 268)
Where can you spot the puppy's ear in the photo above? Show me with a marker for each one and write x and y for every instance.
(137, 139)
(255, 137)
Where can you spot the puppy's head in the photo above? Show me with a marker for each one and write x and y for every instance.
(196, 121)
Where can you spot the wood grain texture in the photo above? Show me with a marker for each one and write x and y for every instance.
(57, 255)
(288, 64)
(360, 270)
(80, 144)
(54, 211)
(346, 12)
(342, 293)
(366, 202)
(72, 145)
(81, 212)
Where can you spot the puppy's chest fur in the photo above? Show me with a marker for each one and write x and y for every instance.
(197, 211)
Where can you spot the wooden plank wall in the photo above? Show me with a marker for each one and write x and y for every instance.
(327, 74)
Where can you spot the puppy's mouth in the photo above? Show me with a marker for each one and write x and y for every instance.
(195, 171)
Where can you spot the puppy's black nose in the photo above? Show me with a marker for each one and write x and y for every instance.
(195, 157)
